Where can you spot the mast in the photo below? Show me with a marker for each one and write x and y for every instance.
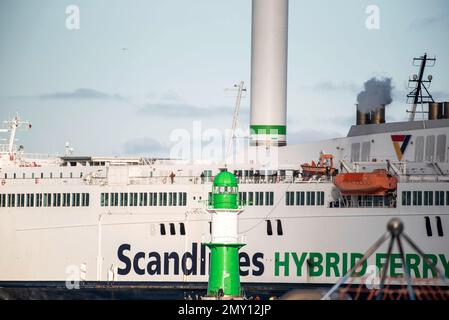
(418, 85)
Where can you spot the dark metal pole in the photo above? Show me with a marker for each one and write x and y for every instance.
(384, 271)
(406, 268)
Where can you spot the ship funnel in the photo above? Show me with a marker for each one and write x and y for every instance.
(378, 115)
(435, 110)
(269, 37)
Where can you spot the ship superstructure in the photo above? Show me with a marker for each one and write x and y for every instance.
(125, 219)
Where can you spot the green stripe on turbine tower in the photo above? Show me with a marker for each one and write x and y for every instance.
(268, 129)
(224, 275)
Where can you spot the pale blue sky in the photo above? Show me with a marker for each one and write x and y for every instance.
(182, 54)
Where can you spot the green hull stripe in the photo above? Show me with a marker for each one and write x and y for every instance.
(268, 129)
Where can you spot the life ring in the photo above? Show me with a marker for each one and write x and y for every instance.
(3, 182)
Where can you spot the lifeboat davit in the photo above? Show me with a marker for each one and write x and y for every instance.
(378, 183)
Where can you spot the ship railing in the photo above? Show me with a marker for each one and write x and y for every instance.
(139, 180)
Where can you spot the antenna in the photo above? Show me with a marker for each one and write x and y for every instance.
(240, 87)
(416, 96)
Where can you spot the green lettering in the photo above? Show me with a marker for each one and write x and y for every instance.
(299, 262)
(315, 264)
(355, 257)
(332, 260)
(445, 264)
(413, 266)
(379, 261)
(394, 265)
(278, 264)
(432, 259)
(345, 263)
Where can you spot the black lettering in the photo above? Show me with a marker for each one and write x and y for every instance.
(244, 262)
(137, 269)
(257, 257)
(167, 257)
(193, 257)
(154, 263)
(127, 261)
(203, 260)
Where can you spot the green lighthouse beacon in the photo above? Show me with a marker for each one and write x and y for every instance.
(224, 274)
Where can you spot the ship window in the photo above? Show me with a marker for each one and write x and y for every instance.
(428, 198)
(2, 200)
(42, 175)
(417, 198)
(259, 198)
(441, 148)
(439, 226)
(406, 198)
(430, 148)
(269, 198)
(419, 149)
(60, 175)
(6, 176)
(289, 198)
(320, 198)
(279, 227)
(447, 198)
(14, 175)
(439, 198)
(23, 175)
(172, 229)
(182, 229)
(250, 198)
(299, 198)
(242, 198)
(38, 199)
(162, 226)
(85, 200)
(428, 226)
(210, 227)
(269, 228)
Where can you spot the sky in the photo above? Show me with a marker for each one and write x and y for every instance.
(137, 70)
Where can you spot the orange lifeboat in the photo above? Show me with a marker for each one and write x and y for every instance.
(377, 183)
(325, 166)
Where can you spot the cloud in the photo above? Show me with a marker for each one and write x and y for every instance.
(429, 21)
(146, 145)
(82, 93)
(310, 135)
(332, 86)
(171, 96)
(180, 110)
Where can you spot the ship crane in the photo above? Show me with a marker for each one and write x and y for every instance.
(240, 89)
(12, 126)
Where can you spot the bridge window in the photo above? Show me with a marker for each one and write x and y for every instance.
(419, 149)
(428, 226)
(162, 229)
(269, 228)
(439, 226)
(279, 227)
(182, 229)
(172, 229)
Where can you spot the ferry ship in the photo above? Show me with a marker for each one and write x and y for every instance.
(142, 221)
